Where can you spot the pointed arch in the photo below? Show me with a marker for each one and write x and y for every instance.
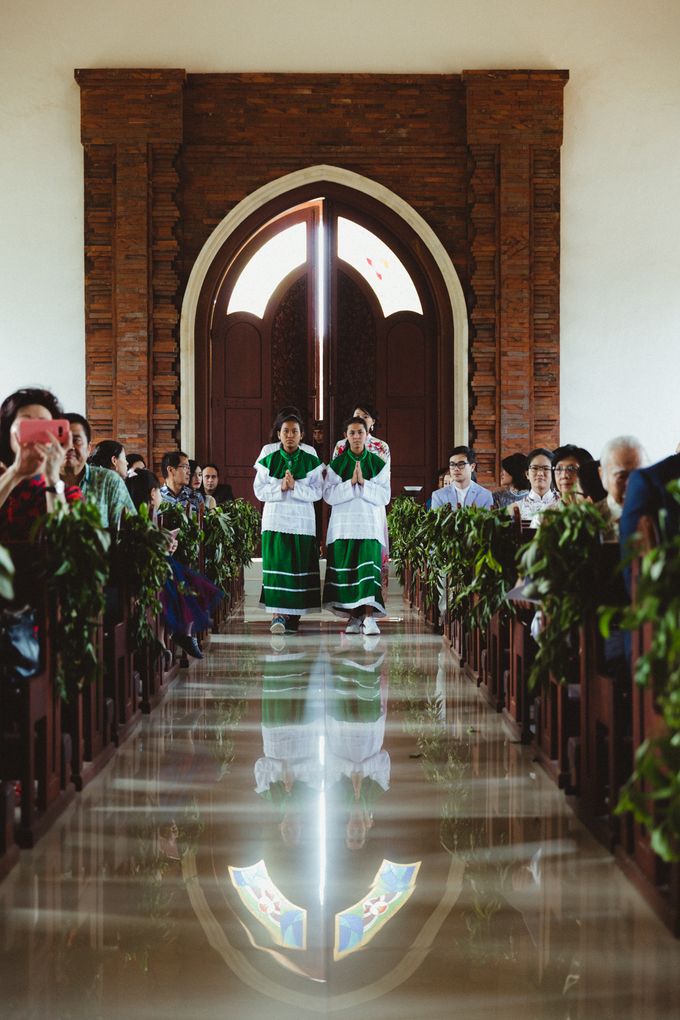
(262, 196)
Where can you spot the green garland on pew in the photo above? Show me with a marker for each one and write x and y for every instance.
(562, 566)
(403, 522)
(189, 532)
(231, 532)
(652, 794)
(475, 548)
(142, 565)
(77, 570)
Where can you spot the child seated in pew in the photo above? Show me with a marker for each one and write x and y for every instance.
(188, 598)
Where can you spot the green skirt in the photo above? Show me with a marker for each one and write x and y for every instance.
(290, 574)
(353, 575)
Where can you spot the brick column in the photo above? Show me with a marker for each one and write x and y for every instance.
(131, 129)
(514, 134)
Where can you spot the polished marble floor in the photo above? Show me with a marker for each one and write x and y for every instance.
(326, 825)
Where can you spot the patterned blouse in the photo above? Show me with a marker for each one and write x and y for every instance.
(372, 444)
(26, 504)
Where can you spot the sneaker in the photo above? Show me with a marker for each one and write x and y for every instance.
(278, 625)
(189, 644)
(354, 626)
(292, 624)
(370, 626)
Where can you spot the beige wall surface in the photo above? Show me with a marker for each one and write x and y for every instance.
(621, 162)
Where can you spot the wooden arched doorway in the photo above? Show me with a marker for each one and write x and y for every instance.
(342, 306)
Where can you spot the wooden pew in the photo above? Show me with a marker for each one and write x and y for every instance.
(657, 880)
(33, 750)
(604, 753)
(518, 699)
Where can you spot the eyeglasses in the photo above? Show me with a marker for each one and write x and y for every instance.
(458, 463)
(568, 469)
(540, 470)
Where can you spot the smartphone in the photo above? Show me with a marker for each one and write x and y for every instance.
(41, 430)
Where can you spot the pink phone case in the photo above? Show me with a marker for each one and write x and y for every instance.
(39, 430)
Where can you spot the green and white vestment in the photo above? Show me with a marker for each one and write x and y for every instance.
(356, 532)
(290, 551)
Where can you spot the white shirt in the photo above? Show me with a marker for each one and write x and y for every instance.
(534, 504)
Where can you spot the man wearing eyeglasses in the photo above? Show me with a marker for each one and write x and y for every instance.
(462, 491)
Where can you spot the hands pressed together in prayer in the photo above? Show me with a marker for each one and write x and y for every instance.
(357, 477)
(288, 482)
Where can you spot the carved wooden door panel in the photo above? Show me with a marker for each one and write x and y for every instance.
(342, 318)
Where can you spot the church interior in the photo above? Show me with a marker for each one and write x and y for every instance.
(408, 271)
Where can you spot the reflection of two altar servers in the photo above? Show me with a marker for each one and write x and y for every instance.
(290, 772)
(358, 769)
(323, 727)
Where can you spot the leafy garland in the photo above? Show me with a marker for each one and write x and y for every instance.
(189, 532)
(230, 534)
(563, 568)
(473, 548)
(403, 520)
(77, 569)
(142, 565)
(652, 794)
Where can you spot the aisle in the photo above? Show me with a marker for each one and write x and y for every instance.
(325, 824)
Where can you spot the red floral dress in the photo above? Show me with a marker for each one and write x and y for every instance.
(26, 504)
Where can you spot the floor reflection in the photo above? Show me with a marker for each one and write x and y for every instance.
(326, 824)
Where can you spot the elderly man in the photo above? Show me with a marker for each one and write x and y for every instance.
(462, 491)
(618, 459)
(221, 493)
(176, 489)
(101, 485)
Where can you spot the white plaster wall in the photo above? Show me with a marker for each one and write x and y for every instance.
(621, 162)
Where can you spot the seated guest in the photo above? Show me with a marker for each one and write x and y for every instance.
(30, 484)
(618, 459)
(221, 492)
(110, 454)
(462, 491)
(647, 495)
(541, 495)
(442, 478)
(567, 463)
(187, 597)
(144, 487)
(135, 463)
(196, 483)
(104, 487)
(513, 480)
(177, 475)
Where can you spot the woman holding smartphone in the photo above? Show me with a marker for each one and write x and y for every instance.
(357, 487)
(31, 460)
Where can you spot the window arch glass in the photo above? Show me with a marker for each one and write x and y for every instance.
(379, 266)
(269, 265)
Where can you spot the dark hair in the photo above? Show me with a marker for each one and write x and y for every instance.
(11, 406)
(212, 466)
(516, 466)
(570, 450)
(467, 450)
(353, 421)
(290, 417)
(104, 452)
(193, 464)
(540, 451)
(134, 458)
(140, 486)
(284, 414)
(171, 460)
(370, 409)
(77, 419)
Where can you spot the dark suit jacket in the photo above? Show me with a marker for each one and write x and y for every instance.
(646, 494)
